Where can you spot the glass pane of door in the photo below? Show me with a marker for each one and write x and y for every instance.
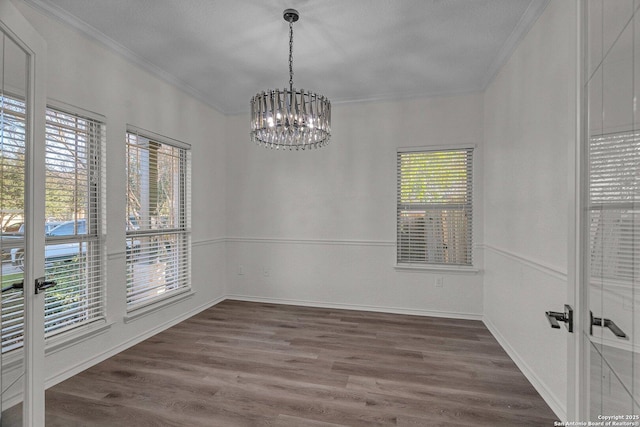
(13, 90)
(612, 254)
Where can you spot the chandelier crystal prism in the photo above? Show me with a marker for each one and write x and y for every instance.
(290, 118)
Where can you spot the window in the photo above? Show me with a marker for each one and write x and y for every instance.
(434, 207)
(157, 222)
(74, 229)
(12, 183)
(614, 236)
(74, 210)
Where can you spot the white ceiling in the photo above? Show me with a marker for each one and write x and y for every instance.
(225, 51)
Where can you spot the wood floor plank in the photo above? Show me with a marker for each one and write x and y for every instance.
(291, 421)
(72, 410)
(257, 364)
(493, 399)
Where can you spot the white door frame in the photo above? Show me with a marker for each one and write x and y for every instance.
(579, 343)
(577, 347)
(21, 31)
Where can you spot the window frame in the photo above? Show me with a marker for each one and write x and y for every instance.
(182, 230)
(424, 265)
(95, 232)
(94, 321)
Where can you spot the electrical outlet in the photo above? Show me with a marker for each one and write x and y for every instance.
(439, 281)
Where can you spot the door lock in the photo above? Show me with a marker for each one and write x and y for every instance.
(567, 318)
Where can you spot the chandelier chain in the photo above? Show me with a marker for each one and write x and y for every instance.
(291, 55)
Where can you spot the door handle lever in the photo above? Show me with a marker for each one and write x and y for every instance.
(608, 323)
(15, 285)
(567, 318)
(553, 317)
(42, 284)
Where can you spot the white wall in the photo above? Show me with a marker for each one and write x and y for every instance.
(85, 74)
(529, 128)
(319, 227)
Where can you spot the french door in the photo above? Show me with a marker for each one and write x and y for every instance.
(22, 116)
(609, 261)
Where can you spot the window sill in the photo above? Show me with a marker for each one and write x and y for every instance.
(152, 307)
(452, 269)
(56, 343)
(72, 337)
(12, 360)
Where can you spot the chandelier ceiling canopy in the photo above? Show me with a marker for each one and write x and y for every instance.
(290, 118)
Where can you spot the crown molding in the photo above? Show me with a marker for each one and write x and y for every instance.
(527, 20)
(53, 11)
(520, 31)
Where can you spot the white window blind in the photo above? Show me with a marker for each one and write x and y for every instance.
(12, 180)
(74, 209)
(614, 201)
(158, 219)
(74, 229)
(434, 207)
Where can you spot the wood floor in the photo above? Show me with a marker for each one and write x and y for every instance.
(253, 364)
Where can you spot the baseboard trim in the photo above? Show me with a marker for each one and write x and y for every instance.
(357, 307)
(76, 369)
(552, 400)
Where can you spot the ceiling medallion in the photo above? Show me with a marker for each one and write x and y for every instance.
(290, 118)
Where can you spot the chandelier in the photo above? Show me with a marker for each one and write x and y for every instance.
(290, 118)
